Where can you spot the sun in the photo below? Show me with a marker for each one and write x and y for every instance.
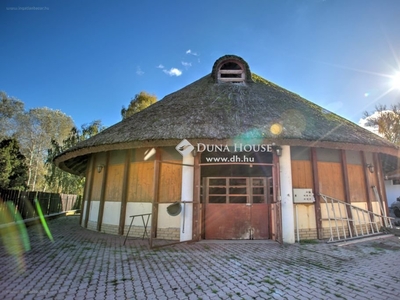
(395, 82)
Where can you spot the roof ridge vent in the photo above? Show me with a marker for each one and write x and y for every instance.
(231, 69)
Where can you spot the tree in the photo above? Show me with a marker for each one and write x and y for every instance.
(138, 103)
(10, 109)
(36, 130)
(57, 180)
(386, 122)
(89, 130)
(14, 172)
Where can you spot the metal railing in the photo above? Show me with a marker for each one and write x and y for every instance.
(360, 223)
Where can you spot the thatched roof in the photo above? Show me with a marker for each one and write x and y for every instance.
(207, 110)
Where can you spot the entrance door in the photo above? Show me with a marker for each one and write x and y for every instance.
(237, 207)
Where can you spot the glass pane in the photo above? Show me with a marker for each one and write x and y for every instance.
(237, 199)
(237, 181)
(217, 199)
(217, 190)
(258, 199)
(258, 191)
(217, 181)
(258, 182)
(235, 190)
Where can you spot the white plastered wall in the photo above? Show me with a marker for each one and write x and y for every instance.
(111, 212)
(94, 210)
(392, 191)
(138, 208)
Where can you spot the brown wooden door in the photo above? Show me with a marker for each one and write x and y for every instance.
(236, 208)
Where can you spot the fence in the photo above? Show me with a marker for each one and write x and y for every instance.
(50, 203)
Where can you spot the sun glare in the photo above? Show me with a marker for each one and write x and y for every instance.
(395, 82)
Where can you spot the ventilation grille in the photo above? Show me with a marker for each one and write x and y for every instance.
(231, 72)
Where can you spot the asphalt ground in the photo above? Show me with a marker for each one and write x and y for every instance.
(83, 264)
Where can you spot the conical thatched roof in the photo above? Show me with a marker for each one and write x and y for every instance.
(208, 110)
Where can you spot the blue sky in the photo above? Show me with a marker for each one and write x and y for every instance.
(89, 58)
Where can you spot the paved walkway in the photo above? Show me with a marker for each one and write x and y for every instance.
(82, 264)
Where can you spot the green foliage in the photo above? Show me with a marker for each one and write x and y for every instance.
(35, 131)
(308, 242)
(10, 109)
(58, 180)
(387, 122)
(31, 140)
(138, 103)
(89, 130)
(14, 172)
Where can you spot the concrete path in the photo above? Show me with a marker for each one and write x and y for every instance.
(82, 264)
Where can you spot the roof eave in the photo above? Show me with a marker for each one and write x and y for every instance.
(62, 160)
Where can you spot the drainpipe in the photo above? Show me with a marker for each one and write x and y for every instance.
(288, 235)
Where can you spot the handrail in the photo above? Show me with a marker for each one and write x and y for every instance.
(347, 227)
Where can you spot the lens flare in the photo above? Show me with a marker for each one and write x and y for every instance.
(395, 83)
(253, 136)
(43, 220)
(294, 119)
(13, 234)
(276, 129)
(21, 226)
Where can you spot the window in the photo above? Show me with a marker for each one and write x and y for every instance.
(231, 72)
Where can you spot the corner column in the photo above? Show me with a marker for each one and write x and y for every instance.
(187, 196)
(287, 196)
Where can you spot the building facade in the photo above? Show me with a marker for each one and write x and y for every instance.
(237, 157)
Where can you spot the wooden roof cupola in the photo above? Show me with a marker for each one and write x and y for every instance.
(231, 69)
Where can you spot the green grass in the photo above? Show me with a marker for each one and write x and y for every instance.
(268, 280)
(308, 242)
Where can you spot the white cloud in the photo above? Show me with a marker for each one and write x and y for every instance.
(186, 64)
(190, 52)
(160, 66)
(139, 71)
(173, 72)
(364, 122)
